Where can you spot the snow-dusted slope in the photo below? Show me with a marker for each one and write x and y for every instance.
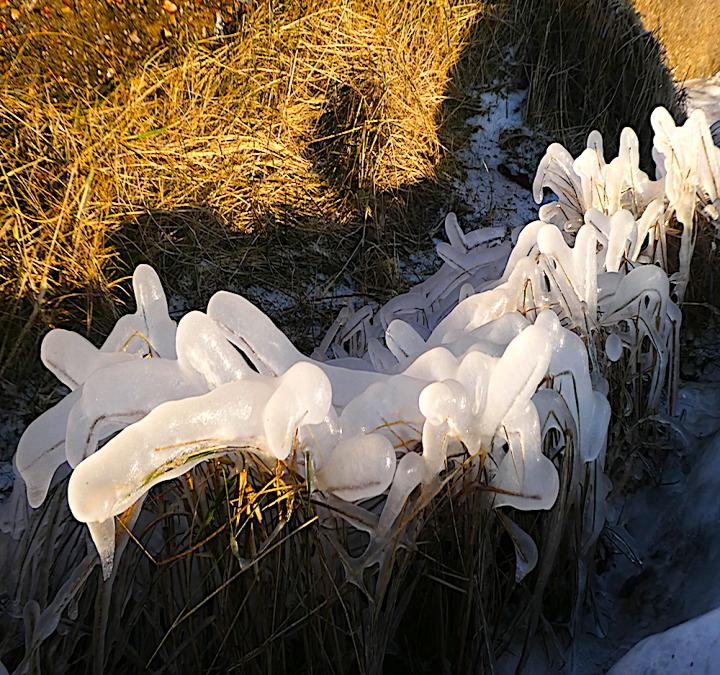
(496, 187)
(693, 646)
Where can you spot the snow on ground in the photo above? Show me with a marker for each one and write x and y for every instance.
(674, 531)
(668, 552)
(497, 165)
(691, 646)
(704, 93)
(499, 160)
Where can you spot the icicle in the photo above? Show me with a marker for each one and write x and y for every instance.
(177, 435)
(150, 329)
(103, 536)
(72, 359)
(613, 347)
(526, 552)
(41, 450)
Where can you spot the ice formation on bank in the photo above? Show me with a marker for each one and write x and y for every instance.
(499, 376)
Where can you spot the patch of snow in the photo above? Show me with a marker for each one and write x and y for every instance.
(419, 266)
(704, 93)
(666, 573)
(180, 294)
(272, 300)
(693, 646)
(496, 185)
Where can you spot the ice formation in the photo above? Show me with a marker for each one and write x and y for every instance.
(590, 191)
(496, 375)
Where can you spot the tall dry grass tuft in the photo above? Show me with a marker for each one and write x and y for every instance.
(591, 65)
(306, 141)
(310, 118)
(228, 572)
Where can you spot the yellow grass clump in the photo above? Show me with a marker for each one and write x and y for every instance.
(688, 31)
(304, 119)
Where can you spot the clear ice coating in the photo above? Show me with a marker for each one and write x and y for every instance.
(495, 371)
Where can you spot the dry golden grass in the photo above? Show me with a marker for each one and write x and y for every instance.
(307, 118)
(688, 31)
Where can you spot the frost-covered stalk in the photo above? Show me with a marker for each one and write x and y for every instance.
(462, 370)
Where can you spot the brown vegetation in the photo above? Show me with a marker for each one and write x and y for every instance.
(591, 65)
(304, 120)
(310, 140)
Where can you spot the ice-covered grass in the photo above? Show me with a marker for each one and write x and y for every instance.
(496, 369)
